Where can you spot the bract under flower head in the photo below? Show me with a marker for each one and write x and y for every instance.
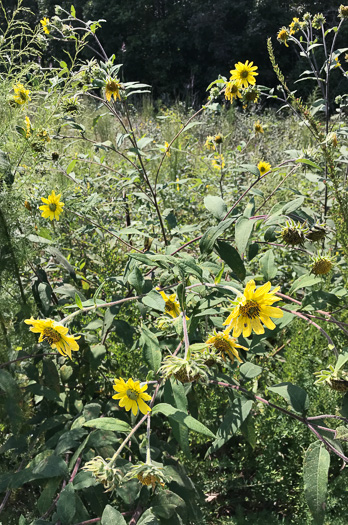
(244, 74)
(52, 207)
(131, 395)
(253, 308)
(55, 334)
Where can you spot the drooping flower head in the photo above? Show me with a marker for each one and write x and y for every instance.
(131, 395)
(55, 334)
(147, 474)
(225, 345)
(322, 265)
(244, 74)
(263, 167)
(52, 207)
(112, 89)
(294, 234)
(253, 308)
(232, 91)
(172, 306)
(45, 23)
(21, 94)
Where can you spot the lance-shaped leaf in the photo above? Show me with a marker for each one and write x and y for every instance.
(315, 475)
(182, 417)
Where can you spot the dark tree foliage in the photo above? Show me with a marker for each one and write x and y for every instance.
(180, 46)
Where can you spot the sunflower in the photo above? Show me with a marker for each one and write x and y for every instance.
(28, 127)
(45, 22)
(218, 162)
(283, 35)
(295, 26)
(253, 307)
(258, 127)
(322, 265)
(131, 395)
(244, 74)
(52, 207)
(112, 89)
(172, 306)
(225, 345)
(166, 148)
(210, 143)
(21, 94)
(232, 91)
(263, 167)
(55, 334)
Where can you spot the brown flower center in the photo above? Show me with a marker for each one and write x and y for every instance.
(222, 345)
(52, 206)
(250, 309)
(51, 335)
(132, 394)
(244, 73)
(170, 307)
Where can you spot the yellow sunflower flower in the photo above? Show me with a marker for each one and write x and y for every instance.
(218, 162)
(28, 127)
(21, 94)
(225, 345)
(283, 35)
(258, 127)
(244, 74)
(263, 167)
(166, 148)
(112, 89)
(131, 395)
(55, 334)
(52, 207)
(45, 22)
(172, 306)
(232, 91)
(210, 143)
(253, 308)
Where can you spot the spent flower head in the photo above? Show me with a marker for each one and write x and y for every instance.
(104, 473)
(148, 474)
(343, 11)
(225, 345)
(184, 370)
(322, 265)
(294, 234)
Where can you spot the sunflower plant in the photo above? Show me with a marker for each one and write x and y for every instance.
(170, 292)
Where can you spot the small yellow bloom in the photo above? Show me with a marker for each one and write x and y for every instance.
(55, 334)
(112, 89)
(244, 74)
(21, 94)
(218, 162)
(45, 22)
(210, 143)
(338, 64)
(28, 127)
(172, 306)
(263, 167)
(295, 26)
(253, 308)
(232, 91)
(258, 127)
(283, 36)
(53, 207)
(131, 395)
(225, 345)
(166, 148)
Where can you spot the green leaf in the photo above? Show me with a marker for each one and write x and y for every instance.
(296, 396)
(66, 505)
(136, 279)
(216, 206)
(207, 242)
(47, 495)
(310, 163)
(249, 370)
(341, 360)
(108, 423)
(292, 205)
(342, 433)
(154, 300)
(315, 475)
(166, 503)
(244, 227)
(78, 301)
(233, 419)
(303, 282)
(148, 518)
(73, 11)
(71, 166)
(231, 257)
(268, 268)
(151, 349)
(182, 417)
(112, 516)
(251, 168)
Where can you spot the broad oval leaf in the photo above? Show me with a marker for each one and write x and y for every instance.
(108, 423)
(296, 396)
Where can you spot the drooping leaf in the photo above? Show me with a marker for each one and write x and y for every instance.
(182, 417)
(296, 396)
(231, 257)
(151, 349)
(315, 475)
(207, 242)
(244, 227)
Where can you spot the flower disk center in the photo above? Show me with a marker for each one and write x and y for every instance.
(52, 206)
(244, 73)
(132, 394)
(251, 309)
(51, 336)
(221, 345)
(170, 307)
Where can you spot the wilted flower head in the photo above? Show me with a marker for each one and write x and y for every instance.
(258, 127)
(343, 11)
(104, 473)
(294, 234)
(322, 265)
(184, 370)
(283, 35)
(295, 26)
(147, 474)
